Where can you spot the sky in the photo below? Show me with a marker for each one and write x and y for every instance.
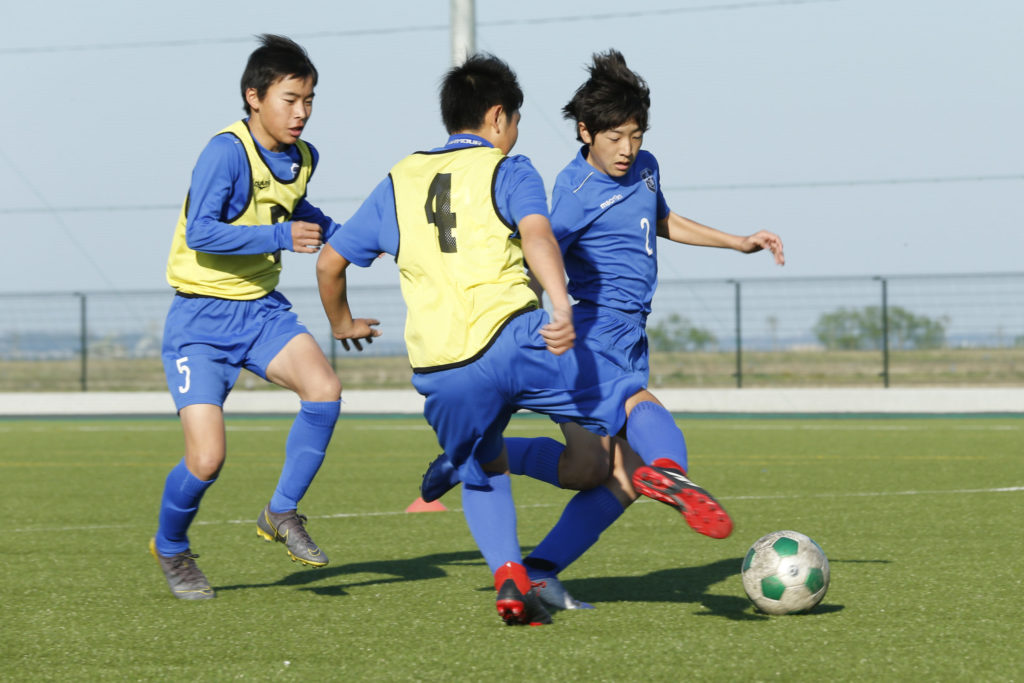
(876, 137)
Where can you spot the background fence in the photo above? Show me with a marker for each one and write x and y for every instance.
(941, 330)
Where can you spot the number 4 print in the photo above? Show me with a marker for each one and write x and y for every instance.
(439, 211)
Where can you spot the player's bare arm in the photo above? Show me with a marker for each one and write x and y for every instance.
(333, 285)
(306, 237)
(686, 231)
(541, 251)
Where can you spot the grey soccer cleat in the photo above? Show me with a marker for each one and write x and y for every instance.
(553, 594)
(185, 579)
(290, 528)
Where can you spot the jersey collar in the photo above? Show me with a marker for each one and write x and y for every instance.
(456, 140)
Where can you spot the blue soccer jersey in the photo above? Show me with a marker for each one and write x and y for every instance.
(607, 228)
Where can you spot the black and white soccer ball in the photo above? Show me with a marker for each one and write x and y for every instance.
(785, 572)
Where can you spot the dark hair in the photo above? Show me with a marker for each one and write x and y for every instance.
(470, 89)
(277, 57)
(612, 95)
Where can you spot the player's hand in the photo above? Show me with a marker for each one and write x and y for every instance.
(306, 237)
(765, 240)
(559, 334)
(360, 330)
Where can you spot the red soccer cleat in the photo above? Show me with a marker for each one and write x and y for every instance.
(665, 481)
(517, 602)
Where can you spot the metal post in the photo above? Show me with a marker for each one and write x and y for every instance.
(83, 342)
(885, 331)
(463, 29)
(739, 337)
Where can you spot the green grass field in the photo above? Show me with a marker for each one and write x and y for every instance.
(921, 519)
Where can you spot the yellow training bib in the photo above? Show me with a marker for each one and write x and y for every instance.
(271, 200)
(462, 275)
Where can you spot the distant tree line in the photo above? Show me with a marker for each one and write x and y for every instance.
(861, 329)
(677, 333)
(846, 329)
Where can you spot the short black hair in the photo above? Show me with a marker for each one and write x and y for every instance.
(277, 57)
(613, 95)
(473, 87)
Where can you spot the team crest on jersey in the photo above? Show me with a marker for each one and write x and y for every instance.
(648, 176)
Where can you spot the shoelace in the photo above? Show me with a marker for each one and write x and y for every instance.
(299, 528)
(185, 566)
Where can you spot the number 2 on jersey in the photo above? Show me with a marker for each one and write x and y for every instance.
(645, 225)
(439, 211)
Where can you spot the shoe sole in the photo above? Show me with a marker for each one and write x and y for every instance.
(513, 609)
(700, 510)
(295, 558)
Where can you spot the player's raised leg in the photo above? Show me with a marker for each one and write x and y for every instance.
(653, 433)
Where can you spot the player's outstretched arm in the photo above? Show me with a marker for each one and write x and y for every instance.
(685, 231)
(541, 251)
(333, 285)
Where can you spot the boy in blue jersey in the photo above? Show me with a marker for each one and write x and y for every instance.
(246, 203)
(607, 210)
(460, 219)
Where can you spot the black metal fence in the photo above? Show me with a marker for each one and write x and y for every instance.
(841, 331)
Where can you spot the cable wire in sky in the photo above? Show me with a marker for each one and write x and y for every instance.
(672, 188)
(533, 21)
(56, 213)
(811, 184)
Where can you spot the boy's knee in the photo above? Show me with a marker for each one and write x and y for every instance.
(205, 464)
(324, 390)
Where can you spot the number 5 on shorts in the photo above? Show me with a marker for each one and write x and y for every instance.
(184, 370)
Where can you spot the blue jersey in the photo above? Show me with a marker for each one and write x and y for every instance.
(373, 229)
(607, 229)
(220, 190)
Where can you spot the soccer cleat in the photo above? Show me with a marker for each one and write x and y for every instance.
(185, 579)
(553, 594)
(439, 479)
(517, 601)
(290, 528)
(664, 481)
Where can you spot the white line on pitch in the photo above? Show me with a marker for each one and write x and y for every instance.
(346, 515)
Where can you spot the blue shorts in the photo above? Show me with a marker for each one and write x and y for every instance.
(207, 342)
(611, 351)
(470, 406)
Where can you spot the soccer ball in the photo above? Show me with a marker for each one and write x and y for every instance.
(785, 572)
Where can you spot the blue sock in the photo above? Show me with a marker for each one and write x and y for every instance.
(304, 452)
(180, 503)
(587, 515)
(536, 458)
(653, 434)
(491, 516)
